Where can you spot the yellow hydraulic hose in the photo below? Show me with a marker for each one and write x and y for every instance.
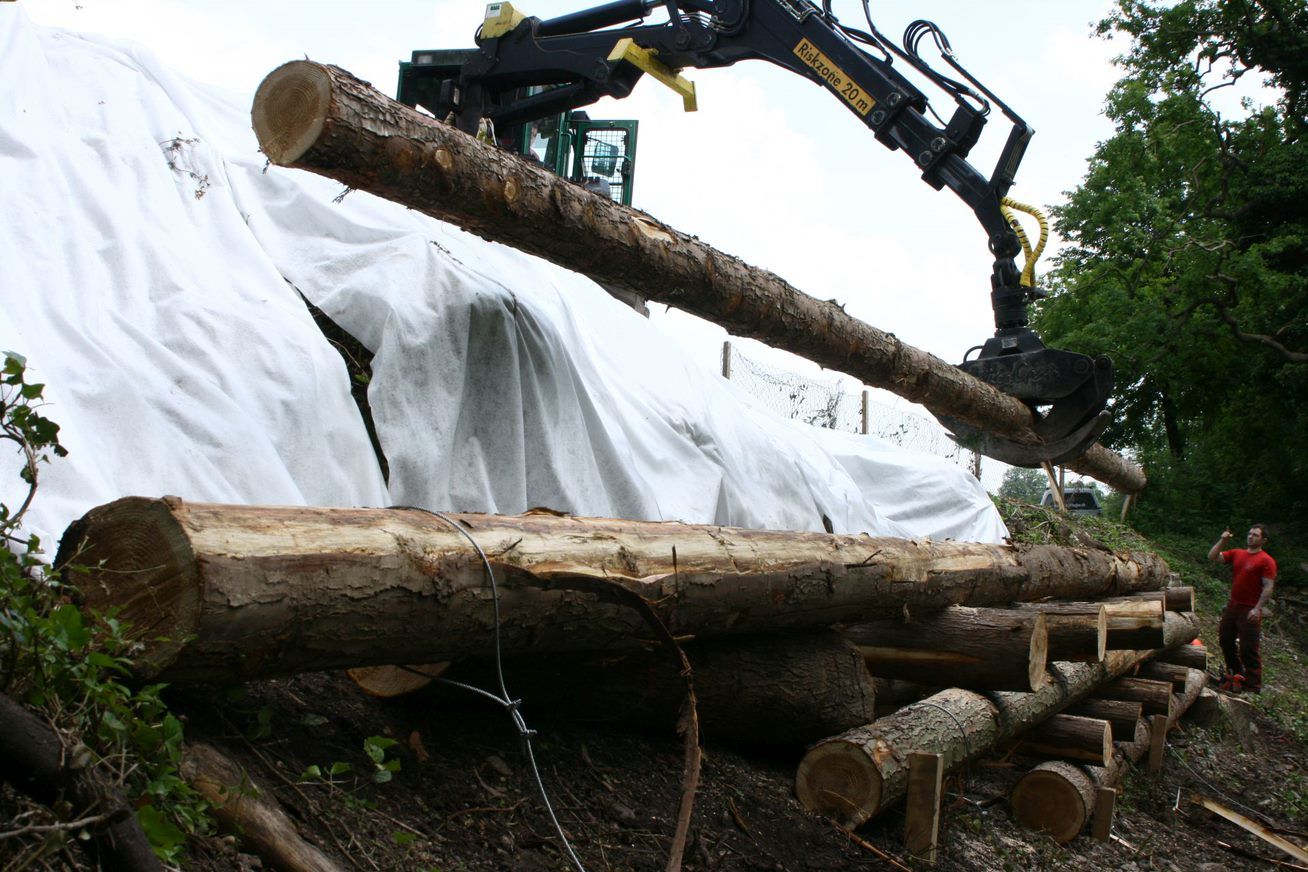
(1006, 205)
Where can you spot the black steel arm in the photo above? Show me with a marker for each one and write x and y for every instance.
(527, 69)
(571, 58)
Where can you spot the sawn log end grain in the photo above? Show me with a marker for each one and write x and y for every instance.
(142, 564)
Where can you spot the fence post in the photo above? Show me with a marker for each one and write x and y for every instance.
(867, 403)
(726, 360)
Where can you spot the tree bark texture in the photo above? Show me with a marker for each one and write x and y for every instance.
(1078, 632)
(1194, 656)
(34, 760)
(1169, 672)
(1069, 737)
(854, 776)
(1121, 714)
(986, 649)
(1154, 696)
(1057, 799)
(226, 593)
(777, 689)
(1132, 623)
(251, 812)
(321, 119)
(1175, 599)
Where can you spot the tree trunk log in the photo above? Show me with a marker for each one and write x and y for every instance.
(321, 119)
(1193, 656)
(978, 649)
(778, 689)
(854, 776)
(226, 593)
(1175, 599)
(252, 813)
(1078, 632)
(1154, 696)
(33, 759)
(1169, 672)
(1121, 714)
(1071, 789)
(1133, 624)
(1070, 737)
(1054, 798)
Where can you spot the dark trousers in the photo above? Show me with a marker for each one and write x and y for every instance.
(1244, 659)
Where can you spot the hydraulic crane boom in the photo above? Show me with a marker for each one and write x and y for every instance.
(525, 68)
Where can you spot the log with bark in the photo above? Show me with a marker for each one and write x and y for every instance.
(321, 119)
(1069, 737)
(1170, 672)
(251, 812)
(1175, 599)
(854, 776)
(1133, 624)
(1058, 799)
(774, 689)
(1078, 632)
(1194, 656)
(226, 593)
(1121, 714)
(979, 649)
(1154, 696)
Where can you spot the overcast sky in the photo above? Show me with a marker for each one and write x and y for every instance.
(772, 168)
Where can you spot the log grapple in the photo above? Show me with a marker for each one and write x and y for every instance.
(524, 68)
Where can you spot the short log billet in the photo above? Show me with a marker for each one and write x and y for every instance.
(1169, 672)
(321, 119)
(225, 593)
(986, 649)
(1075, 790)
(854, 776)
(1175, 599)
(1040, 800)
(1194, 656)
(1121, 715)
(1078, 632)
(1069, 737)
(1154, 696)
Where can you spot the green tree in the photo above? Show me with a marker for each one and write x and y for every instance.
(1187, 260)
(1027, 485)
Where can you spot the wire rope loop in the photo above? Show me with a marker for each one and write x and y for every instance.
(504, 699)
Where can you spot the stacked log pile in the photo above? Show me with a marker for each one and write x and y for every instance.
(222, 593)
(786, 637)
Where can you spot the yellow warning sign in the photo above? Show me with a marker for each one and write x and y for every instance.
(835, 77)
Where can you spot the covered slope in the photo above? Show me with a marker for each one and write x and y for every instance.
(152, 268)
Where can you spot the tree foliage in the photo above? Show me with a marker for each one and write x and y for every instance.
(1187, 258)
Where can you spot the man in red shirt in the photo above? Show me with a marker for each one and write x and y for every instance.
(1253, 573)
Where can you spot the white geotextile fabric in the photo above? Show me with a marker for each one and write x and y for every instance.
(179, 359)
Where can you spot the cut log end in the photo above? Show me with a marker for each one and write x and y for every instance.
(142, 564)
(1039, 657)
(1048, 800)
(290, 108)
(837, 779)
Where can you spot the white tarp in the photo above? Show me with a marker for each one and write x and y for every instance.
(149, 269)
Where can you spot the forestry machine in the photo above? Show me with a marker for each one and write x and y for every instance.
(524, 68)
